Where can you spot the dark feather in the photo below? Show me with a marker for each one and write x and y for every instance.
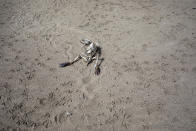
(89, 62)
(97, 70)
(99, 51)
(64, 64)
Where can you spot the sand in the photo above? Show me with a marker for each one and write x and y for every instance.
(148, 76)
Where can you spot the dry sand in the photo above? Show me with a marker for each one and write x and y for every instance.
(147, 80)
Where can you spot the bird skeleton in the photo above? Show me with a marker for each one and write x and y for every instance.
(92, 52)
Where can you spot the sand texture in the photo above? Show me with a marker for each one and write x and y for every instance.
(148, 76)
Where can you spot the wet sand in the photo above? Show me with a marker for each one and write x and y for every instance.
(148, 76)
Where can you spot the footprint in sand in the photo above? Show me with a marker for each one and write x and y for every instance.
(62, 117)
(87, 87)
(68, 49)
(86, 80)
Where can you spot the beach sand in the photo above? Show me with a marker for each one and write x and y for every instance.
(148, 76)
